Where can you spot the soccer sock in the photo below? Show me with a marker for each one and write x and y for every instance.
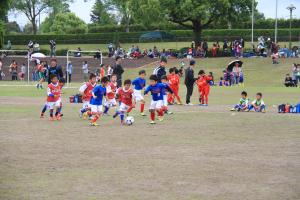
(44, 109)
(152, 116)
(142, 107)
(106, 108)
(96, 118)
(58, 110)
(51, 112)
(206, 99)
(129, 109)
(116, 114)
(122, 116)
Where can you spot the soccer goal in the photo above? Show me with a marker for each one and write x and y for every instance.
(80, 54)
(7, 56)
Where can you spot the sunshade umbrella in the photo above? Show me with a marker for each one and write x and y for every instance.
(37, 56)
(232, 64)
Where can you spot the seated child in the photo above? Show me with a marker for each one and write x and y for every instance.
(243, 105)
(258, 104)
(221, 83)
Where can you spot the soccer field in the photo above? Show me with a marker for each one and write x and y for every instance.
(196, 153)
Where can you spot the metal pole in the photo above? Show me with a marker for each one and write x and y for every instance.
(252, 32)
(276, 22)
(290, 43)
(67, 69)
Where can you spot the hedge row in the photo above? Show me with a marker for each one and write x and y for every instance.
(133, 37)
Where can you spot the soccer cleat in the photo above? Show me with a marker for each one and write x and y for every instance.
(94, 124)
(52, 119)
(169, 112)
(58, 117)
(143, 114)
(115, 115)
(161, 119)
(37, 86)
(42, 115)
(179, 104)
(204, 105)
(105, 114)
(80, 114)
(85, 116)
(152, 122)
(232, 109)
(189, 104)
(41, 86)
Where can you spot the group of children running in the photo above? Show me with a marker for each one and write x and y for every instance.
(99, 98)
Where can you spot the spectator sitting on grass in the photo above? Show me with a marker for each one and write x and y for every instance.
(78, 52)
(288, 82)
(155, 52)
(97, 54)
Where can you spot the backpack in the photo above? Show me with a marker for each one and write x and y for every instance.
(298, 108)
(281, 108)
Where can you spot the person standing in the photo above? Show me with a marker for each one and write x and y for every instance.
(69, 72)
(236, 73)
(54, 69)
(161, 69)
(1, 64)
(118, 70)
(85, 71)
(52, 48)
(189, 82)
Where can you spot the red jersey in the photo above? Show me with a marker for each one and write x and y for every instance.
(102, 72)
(53, 92)
(174, 80)
(111, 90)
(87, 90)
(203, 81)
(125, 96)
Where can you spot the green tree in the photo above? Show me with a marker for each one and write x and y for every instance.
(199, 14)
(12, 27)
(100, 14)
(66, 23)
(4, 7)
(28, 29)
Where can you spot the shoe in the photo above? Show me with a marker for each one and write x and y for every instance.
(85, 116)
(58, 117)
(232, 109)
(80, 114)
(94, 124)
(115, 115)
(189, 104)
(52, 119)
(152, 122)
(200, 104)
(42, 115)
(169, 112)
(179, 104)
(143, 114)
(204, 105)
(37, 86)
(161, 119)
(105, 114)
(41, 86)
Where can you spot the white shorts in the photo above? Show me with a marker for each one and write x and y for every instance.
(86, 104)
(96, 108)
(51, 105)
(111, 102)
(165, 101)
(123, 107)
(156, 104)
(137, 95)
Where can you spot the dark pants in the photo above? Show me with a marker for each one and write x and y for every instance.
(119, 83)
(70, 77)
(0, 74)
(189, 92)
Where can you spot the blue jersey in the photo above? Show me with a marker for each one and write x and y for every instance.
(99, 91)
(166, 88)
(156, 91)
(139, 83)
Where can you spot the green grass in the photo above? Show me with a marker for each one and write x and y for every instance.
(197, 153)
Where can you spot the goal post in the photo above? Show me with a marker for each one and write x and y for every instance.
(28, 59)
(75, 51)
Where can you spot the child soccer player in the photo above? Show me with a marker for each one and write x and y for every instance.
(96, 100)
(53, 96)
(125, 97)
(203, 87)
(174, 81)
(139, 84)
(86, 91)
(156, 90)
(243, 105)
(165, 83)
(258, 104)
(58, 114)
(111, 90)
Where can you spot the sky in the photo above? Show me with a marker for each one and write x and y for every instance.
(82, 9)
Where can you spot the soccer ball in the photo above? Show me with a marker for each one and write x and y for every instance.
(129, 120)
